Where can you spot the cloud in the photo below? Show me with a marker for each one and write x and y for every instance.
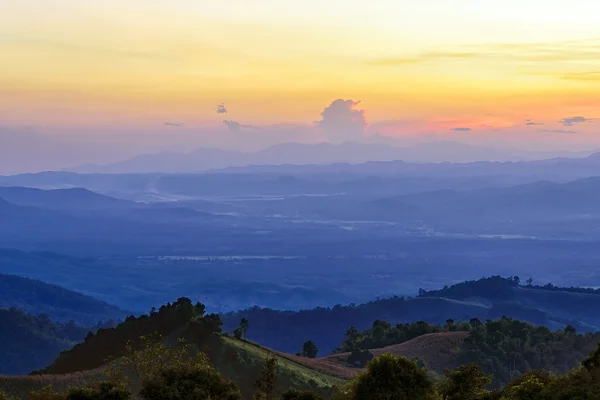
(582, 76)
(236, 126)
(557, 131)
(221, 109)
(586, 50)
(531, 122)
(570, 121)
(460, 129)
(175, 125)
(340, 121)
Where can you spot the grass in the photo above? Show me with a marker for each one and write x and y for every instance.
(300, 368)
(434, 349)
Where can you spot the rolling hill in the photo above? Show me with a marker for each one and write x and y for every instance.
(57, 303)
(61, 199)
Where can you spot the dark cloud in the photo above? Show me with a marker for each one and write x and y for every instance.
(173, 124)
(561, 131)
(342, 122)
(236, 126)
(570, 121)
(461, 129)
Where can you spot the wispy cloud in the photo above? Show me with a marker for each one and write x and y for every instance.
(582, 76)
(557, 131)
(72, 47)
(570, 121)
(175, 125)
(531, 122)
(460, 129)
(567, 51)
(236, 126)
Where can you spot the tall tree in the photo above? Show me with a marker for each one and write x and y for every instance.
(244, 326)
(267, 383)
(309, 349)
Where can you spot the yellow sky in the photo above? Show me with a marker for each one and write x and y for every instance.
(280, 61)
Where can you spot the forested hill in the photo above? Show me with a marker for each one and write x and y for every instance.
(55, 302)
(485, 299)
(29, 342)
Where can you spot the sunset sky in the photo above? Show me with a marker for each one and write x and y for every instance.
(527, 70)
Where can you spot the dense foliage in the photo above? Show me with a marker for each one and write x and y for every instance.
(505, 348)
(494, 287)
(384, 334)
(30, 342)
(508, 348)
(93, 352)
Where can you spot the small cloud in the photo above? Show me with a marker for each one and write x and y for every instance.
(531, 122)
(570, 121)
(173, 124)
(460, 129)
(561, 131)
(221, 109)
(236, 126)
(487, 115)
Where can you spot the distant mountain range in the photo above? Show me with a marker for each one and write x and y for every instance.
(206, 159)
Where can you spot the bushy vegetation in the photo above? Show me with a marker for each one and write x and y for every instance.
(505, 348)
(387, 377)
(114, 342)
(494, 287)
(32, 341)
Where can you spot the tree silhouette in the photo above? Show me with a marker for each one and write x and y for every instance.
(309, 349)
(244, 326)
(393, 378)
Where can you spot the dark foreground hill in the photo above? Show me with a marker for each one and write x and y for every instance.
(505, 347)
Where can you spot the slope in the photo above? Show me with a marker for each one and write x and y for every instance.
(30, 342)
(57, 303)
(61, 199)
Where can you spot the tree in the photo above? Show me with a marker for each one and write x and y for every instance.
(360, 358)
(45, 393)
(529, 282)
(309, 349)
(466, 382)
(152, 357)
(592, 361)
(294, 394)
(267, 383)
(392, 378)
(190, 383)
(474, 322)
(238, 333)
(100, 391)
(570, 330)
(529, 386)
(244, 326)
